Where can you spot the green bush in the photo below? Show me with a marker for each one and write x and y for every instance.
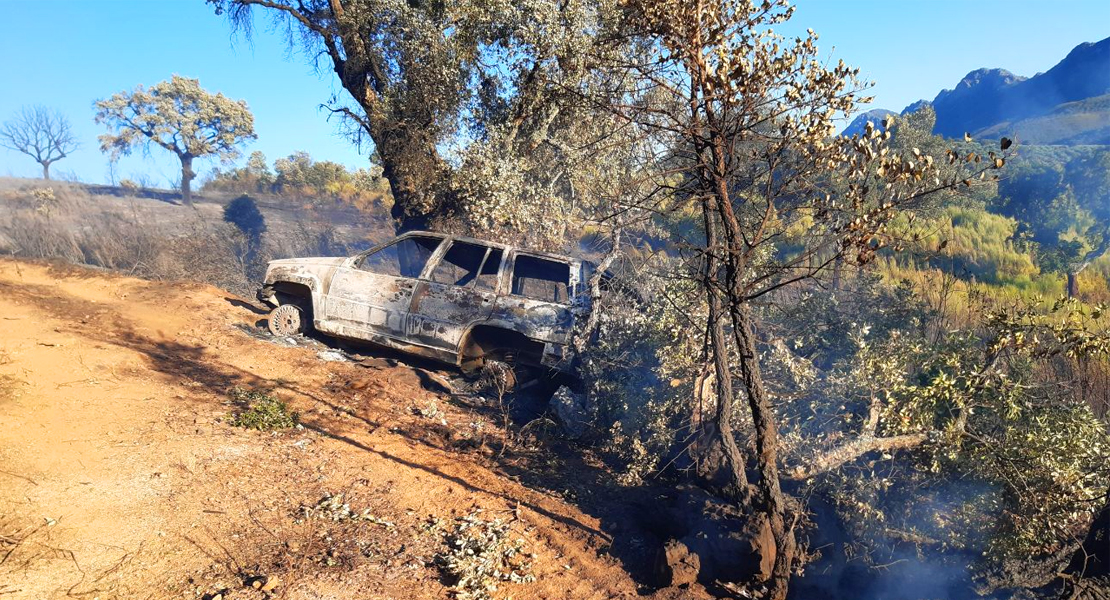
(263, 411)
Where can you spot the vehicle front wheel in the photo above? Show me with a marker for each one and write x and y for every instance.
(286, 320)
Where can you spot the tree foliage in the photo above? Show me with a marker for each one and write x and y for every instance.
(299, 177)
(1064, 210)
(481, 114)
(179, 116)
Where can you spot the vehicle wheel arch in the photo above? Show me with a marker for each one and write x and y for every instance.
(295, 292)
(497, 340)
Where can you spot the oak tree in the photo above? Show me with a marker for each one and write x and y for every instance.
(480, 113)
(181, 117)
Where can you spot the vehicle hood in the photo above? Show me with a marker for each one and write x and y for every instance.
(309, 271)
(315, 261)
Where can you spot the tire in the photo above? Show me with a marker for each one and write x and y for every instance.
(286, 320)
(498, 375)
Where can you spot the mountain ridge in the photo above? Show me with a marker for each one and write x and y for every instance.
(1067, 105)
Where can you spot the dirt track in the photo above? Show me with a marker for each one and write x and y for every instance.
(120, 479)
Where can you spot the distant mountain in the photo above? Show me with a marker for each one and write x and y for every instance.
(875, 116)
(1068, 104)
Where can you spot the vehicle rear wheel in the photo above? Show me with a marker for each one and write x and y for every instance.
(498, 376)
(286, 320)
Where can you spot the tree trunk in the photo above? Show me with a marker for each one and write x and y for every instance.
(721, 465)
(187, 176)
(403, 136)
(767, 445)
(1073, 284)
(1093, 557)
(763, 415)
(46, 171)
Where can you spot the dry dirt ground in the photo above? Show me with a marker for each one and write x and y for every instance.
(120, 476)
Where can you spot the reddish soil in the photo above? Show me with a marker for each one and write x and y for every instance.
(120, 476)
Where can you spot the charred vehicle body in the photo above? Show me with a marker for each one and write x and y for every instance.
(454, 299)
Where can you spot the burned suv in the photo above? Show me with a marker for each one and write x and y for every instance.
(454, 299)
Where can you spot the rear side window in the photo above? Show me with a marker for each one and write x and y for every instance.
(541, 279)
(404, 258)
(460, 265)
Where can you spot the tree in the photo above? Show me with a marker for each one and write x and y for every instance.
(749, 117)
(243, 213)
(1064, 209)
(1090, 177)
(477, 111)
(181, 117)
(41, 133)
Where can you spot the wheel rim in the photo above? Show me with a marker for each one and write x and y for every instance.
(285, 320)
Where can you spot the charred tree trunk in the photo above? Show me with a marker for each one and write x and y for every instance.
(403, 133)
(767, 446)
(772, 501)
(721, 465)
(1093, 557)
(187, 176)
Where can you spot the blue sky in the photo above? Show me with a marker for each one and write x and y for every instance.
(67, 53)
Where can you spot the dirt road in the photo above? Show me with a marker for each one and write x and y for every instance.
(121, 478)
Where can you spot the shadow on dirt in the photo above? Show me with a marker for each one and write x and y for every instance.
(634, 521)
(237, 303)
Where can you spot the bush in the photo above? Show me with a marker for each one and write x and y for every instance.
(481, 554)
(299, 176)
(243, 213)
(263, 411)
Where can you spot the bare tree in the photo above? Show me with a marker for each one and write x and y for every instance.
(42, 133)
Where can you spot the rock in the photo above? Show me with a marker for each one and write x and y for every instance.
(676, 565)
(760, 540)
(331, 356)
(271, 583)
(376, 363)
(574, 411)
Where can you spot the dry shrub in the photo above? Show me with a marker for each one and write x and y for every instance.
(483, 553)
(62, 222)
(113, 242)
(37, 236)
(217, 254)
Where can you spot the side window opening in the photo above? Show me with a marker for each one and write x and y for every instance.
(487, 277)
(405, 258)
(541, 279)
(461, 265)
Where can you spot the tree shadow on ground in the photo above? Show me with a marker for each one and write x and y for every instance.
(633, 520)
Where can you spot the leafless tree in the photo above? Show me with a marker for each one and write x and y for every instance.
(42, 133)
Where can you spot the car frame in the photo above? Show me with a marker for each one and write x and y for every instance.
(438, 306)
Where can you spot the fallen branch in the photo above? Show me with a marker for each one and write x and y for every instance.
(852, 450)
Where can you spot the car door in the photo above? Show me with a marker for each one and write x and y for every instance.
(537, 302)
(457, 291)
(371, 295)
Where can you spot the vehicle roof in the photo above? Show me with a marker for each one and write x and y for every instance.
(463, 238)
